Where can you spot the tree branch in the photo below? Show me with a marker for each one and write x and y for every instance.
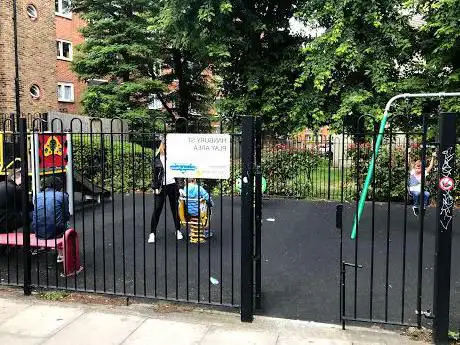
(167, 108)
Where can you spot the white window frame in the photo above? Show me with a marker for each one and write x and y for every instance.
(32, 6)
(72, 100)
(61, 50)
(60, 13)
(38, 90)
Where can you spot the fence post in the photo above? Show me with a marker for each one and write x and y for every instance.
(247, 220)
(443, 246)
(258, 211)
(329, 161)
(25, 204)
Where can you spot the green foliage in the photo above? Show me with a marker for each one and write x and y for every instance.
(54, 295)
(243, 58)
(354, 67)
(147, 48)
(391, 174)
(123, 166)
(440, 46)
(259, 74)
(289, 171)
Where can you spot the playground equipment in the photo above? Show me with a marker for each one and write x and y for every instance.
(67, 248)
(197, 226)
(378, 143)
(49, 154)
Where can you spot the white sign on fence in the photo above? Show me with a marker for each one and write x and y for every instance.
(198, 155)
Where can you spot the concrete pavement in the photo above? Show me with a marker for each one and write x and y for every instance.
(32, 320)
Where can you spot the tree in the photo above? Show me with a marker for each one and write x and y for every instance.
(118, 46)
(146, 48)
(259, 73)
(440, 47)
(359, 62)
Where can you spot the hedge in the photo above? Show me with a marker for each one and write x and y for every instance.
(124, 166)
(288, 172)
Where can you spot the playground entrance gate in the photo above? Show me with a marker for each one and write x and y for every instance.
(384, 277)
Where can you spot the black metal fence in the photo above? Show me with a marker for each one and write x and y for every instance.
(330, 167)
(389, 273)
(107, 180)
(379, 267)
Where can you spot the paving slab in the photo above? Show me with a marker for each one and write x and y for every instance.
(240, 337)
(154, 331)
(9, 308)
(40, 320)
(97, 328)
(299, 340)
(13, 339)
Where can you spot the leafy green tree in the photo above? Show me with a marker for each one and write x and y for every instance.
(440, 47)
(118, 47)
(359, 62)
(147, 48)
(259, 74)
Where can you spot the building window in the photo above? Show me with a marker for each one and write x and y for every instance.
(155, 103)
(32, 12)
(34, 91)
(65, 92)
(64, 50)
(63, 8)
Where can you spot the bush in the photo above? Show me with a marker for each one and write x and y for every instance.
(388, 172)
(123, 166)
(289, 170)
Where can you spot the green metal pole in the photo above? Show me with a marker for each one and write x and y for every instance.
(370, 172)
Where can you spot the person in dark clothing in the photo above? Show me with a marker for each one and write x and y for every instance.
(11, 203)
(51, 212)
(164, 185)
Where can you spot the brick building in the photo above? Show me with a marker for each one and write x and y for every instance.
(47, 33)
(69, 88)
(37, 56)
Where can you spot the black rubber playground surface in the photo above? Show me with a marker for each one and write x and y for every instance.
(300, 261)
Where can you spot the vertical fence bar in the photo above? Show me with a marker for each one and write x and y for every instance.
(247, 217)
(443, 246)
(406, 168)
(25, 205)
(258, 212)
(112, 186)
(358, 171)
(339, 226)
(375, 128)
(102, 199)
(342, 164)
(329, 154)
(221, 277)
(421, 222)
(387, 260)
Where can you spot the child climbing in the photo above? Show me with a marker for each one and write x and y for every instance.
(415, 184)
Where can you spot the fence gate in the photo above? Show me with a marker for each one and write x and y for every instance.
(398, 266)
(107, 173)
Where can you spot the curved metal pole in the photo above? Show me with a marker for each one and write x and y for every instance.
(370, 171)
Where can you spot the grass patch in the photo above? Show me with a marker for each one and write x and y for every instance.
(54, 295)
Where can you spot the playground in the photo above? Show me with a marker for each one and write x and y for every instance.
(376, 263)
(300, 261)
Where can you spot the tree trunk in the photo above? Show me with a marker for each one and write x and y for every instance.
(183, 99)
